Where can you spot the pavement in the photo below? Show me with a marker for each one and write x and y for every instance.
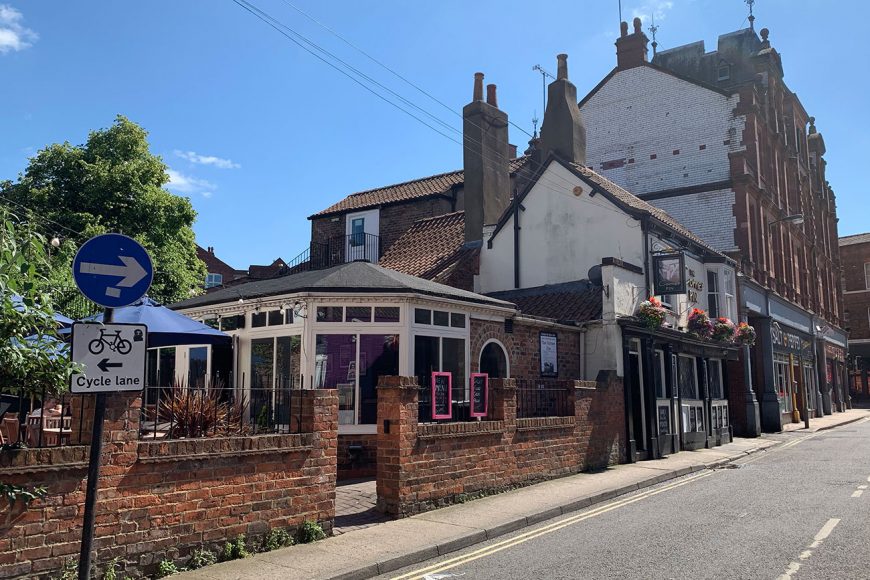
(373, 550)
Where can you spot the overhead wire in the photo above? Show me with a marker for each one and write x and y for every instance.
(281, 27)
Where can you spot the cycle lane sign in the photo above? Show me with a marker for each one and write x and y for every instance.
(112, 357)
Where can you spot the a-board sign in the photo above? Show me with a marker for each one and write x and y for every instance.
(664, 420)
(442, 395)
(479, 394)
(112, 357)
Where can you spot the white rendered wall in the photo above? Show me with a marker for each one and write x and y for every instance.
(562, 236)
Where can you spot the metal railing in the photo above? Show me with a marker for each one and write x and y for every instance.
(544, 398)
(213, 408)
(38, 420)
(460, 406)
(335, 251)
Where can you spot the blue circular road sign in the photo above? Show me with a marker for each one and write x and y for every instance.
(113, 270)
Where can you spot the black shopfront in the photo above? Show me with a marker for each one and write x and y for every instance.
(675, 391)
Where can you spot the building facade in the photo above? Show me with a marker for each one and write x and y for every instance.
(855, 258)
(719, 141)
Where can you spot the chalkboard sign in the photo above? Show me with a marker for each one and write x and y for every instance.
(442, 395)
(664, 421)
(479, 394)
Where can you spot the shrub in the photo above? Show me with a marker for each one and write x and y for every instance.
(200, 412)
(310, 531)
(276, 538)
(235, 549)
(166, 568)
(70, 570)
(201, 558)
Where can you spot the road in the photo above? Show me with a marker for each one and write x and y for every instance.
(799, 511)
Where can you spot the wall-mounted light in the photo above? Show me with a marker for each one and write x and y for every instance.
(300, 309)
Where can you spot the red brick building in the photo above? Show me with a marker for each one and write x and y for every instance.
(718, 140)
(855, 258)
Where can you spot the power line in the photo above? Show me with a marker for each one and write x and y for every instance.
(384, 66)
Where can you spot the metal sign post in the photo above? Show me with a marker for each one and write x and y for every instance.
(113, 271)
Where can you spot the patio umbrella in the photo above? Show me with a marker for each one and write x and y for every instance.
(165, 327)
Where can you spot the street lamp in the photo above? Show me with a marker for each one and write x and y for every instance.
(795, 219)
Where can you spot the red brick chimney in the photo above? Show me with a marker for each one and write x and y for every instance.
(631, 49)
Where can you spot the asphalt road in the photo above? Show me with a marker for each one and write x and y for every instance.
(798, 511)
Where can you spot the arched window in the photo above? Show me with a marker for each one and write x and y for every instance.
(494, 360)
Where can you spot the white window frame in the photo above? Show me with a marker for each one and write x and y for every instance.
(725, 291)
(867, 275)
(213, 279)
(371, 226)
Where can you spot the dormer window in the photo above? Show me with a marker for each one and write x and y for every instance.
(724, 72)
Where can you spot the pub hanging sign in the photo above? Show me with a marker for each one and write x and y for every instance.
(669, 273)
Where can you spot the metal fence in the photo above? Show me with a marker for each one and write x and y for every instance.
(38, 420)
(544, 398)
(460, 406)
(214, 408)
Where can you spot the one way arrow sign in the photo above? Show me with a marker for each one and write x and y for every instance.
(104, 365)
(113, 270)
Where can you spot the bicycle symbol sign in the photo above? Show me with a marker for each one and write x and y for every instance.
(112, 357)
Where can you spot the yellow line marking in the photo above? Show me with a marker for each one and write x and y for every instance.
(525, 537)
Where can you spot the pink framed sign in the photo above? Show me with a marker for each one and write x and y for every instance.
(479, 394)
(442, 395)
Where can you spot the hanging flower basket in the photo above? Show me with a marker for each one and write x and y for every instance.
(745, 334)
(651, 313)
(699, 324)
(723, 330)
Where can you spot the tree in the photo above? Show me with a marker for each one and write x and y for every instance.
(30, 360)
(111, 183)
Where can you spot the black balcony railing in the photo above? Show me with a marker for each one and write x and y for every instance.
(544, 398)
(322, 254)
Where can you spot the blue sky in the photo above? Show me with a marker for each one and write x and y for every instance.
(259, 134)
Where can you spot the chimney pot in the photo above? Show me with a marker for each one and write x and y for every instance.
(490, 95)
(637, 23)
(623, 28)
(478, 87)
(562, 69)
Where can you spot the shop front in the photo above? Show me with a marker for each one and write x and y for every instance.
(835, 391)
(675, 390)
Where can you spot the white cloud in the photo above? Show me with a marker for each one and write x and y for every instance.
(182, 183)
(218, 162)
(656, 8)
(14, 36)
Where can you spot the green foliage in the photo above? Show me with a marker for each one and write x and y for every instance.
(201, 558)
(25, 311)
(310, 531)
(235, 549)
(166, 568)
(15, 493)
(70, 570)
(276, 538)
(111, 573)
(111, 183)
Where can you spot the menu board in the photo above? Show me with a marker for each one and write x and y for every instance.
(479, 394)
(549, 354)
(664, 421)
(442, 395)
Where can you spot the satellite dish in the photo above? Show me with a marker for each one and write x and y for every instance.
(594, 275)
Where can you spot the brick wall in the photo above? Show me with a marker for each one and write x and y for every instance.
(423, 466)
(523, 348)
(857, 302)
(162, 499)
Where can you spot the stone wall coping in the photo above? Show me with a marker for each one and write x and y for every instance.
(205, 448)
(541, 423)
(43, 459)
(464, 429)
(397, 382)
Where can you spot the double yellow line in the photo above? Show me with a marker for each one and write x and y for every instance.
(548, 529)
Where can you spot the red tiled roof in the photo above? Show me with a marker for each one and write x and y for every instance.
(428, 247)
(417, 188)
(571, 301)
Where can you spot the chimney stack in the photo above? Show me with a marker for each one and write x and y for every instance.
(631, 49)
(485, 160)
(563, 132)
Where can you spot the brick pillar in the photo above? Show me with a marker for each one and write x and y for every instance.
(398, 411)
(580, 396)
(504, 402)
(319, 414)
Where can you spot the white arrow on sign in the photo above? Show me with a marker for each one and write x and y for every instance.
(130, 273)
